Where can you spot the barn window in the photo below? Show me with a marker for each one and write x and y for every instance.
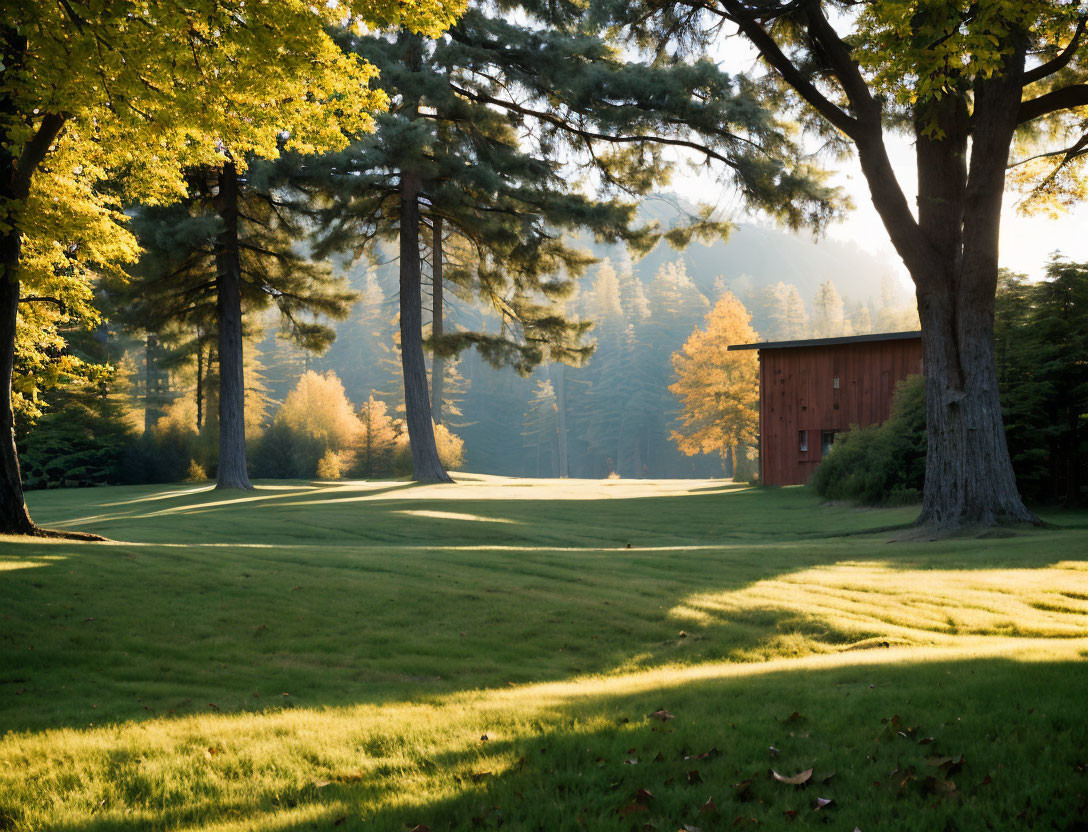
(827, 439)
(835, 383)
(803, 436)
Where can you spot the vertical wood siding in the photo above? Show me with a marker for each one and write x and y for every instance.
(797, 393)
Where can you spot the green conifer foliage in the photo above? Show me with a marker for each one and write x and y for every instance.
(177, 287)
(494, 133)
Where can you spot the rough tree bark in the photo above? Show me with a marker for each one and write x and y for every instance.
(231, 471)
(969, 474)
(438, 363)
(426, 466)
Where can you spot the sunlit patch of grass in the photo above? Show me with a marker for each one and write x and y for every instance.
(869, 599)
(453, 515)
(339, 654)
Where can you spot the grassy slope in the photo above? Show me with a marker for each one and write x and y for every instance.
(285, 659)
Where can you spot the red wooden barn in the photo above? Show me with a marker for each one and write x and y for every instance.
(811, 390)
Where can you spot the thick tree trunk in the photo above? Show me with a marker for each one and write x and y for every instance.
(426, 466)
(951, 253)
(16, 173)
(969, 476)
(14, 518)
(231, 472)
(438, 363)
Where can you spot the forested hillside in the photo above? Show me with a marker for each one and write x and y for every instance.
(611, 416)
(616, 411)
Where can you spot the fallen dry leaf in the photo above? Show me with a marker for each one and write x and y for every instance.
(631, 809)
(694, 777)
(662, 714)
(708, 808)
(822, 802)
(795, 780)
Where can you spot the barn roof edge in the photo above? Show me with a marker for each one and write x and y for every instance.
(830, 342)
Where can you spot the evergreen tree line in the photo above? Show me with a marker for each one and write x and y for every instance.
(616, 412)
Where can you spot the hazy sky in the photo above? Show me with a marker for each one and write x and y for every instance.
(1026, 242)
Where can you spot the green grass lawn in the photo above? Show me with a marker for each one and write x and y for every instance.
(383, 656)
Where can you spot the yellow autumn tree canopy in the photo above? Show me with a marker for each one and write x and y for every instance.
(112, 100)
(718, 389)
(318, 408)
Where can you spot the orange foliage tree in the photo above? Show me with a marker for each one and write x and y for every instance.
(719, 390)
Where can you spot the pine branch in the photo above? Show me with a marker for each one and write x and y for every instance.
(589, 135)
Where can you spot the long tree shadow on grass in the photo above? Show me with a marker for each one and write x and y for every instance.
(100, 633)
(965, 745)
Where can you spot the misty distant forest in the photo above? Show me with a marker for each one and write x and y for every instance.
(616, 410)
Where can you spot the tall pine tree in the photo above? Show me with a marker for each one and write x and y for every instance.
(231, 249)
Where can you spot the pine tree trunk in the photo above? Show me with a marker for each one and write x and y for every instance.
(426, 466)
(199, 386)
(149, 410)
(231, 472)
(560, 375)
(438, 363)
